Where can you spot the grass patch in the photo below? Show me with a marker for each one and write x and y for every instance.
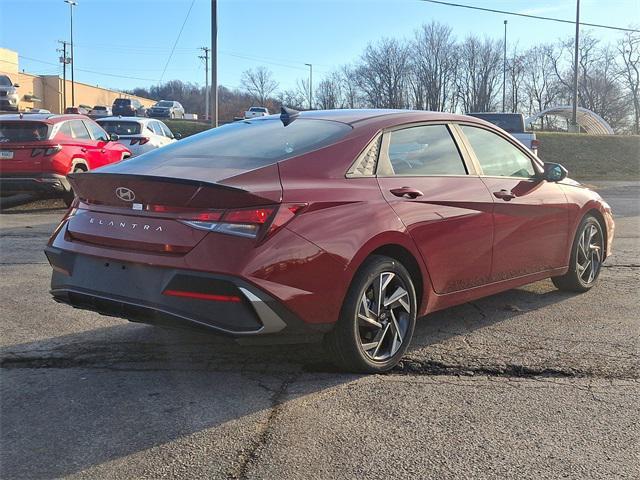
(186, 127)
(593, 157)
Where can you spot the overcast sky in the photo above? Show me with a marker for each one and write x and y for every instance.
(116, 40)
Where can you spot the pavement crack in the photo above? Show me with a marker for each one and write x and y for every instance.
(248, 457)
(411, 366)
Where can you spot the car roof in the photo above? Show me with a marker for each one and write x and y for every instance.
(385, 117)
(43, 117)
(125, 119)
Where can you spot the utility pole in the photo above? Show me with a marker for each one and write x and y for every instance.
(64, 60)
(214, 63)
(574, 116)
(72, 3)
(504, 69)
(310, 85)
(205, 57)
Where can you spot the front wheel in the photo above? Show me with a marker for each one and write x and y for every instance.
(377, 318)
(67, 197)
(587, 255)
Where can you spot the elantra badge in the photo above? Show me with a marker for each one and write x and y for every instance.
(125, 194)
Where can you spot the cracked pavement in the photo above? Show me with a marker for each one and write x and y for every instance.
(530, 383)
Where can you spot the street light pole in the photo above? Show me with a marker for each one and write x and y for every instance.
(574, 116)
(72, 3)
(214, 63)
(310, 85)
(504, 69)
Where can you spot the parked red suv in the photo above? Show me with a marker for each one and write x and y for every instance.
(38, 151)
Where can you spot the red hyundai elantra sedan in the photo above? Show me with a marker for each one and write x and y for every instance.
(347, 224)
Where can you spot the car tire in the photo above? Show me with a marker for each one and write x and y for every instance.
(67, 197)
(586, 258)
(367, 339)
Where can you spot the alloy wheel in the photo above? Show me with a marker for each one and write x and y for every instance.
(589, 255)
(383, 316)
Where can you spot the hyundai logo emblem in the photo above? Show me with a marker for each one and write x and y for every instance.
(126, 194)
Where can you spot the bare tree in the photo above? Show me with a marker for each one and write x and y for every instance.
(349, 87)
(329, 92)
(629, 49)
(479, 74)
(382, 74)
(293, 98)
(433, 66)
(259, 83)
(541, 87)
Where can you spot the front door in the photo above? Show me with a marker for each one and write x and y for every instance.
(531, 217)
(447, 211)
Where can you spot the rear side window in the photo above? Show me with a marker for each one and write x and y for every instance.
(78, 130)
(121, 128)
(156, 128)
(498, 157)
(424, 150)
(23, 131)
(248, 144)
(166, 131)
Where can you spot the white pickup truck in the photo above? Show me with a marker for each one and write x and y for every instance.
(512, 123)
(256, 112)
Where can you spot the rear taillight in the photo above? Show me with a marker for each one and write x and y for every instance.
(139, 140)
(47, 151)
(245, 222)
(535, 144)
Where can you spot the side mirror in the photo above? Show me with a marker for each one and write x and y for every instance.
(113, 137)
(554, 172)
(16, 85)
(177, 136)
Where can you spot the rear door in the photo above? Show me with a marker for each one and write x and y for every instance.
(531, 216)
(445, 206)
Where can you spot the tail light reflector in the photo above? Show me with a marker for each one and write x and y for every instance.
(202, 296)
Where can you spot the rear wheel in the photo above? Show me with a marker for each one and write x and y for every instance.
(587, 254)
(377, 318)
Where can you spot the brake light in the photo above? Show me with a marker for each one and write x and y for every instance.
(535, 144)
(245, 222)
(139, 140)
(48, 151)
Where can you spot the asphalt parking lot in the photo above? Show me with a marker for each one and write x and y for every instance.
(531, 383)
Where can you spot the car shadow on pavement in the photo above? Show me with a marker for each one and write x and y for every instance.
(75, 402)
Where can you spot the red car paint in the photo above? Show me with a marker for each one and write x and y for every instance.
(459, 240)
(41, 164)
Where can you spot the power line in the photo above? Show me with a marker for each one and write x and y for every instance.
(177, 40)
(537, 17)
(90, 71)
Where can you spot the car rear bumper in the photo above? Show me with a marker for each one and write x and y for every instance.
(30, 182)
(159, 295)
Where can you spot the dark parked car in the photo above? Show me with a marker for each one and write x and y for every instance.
(345, 223)
(37, 151)
(128, 107)
(166, 109)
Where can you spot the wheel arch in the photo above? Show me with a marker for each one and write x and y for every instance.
(403, 250)
(597, 214)
(79, 161)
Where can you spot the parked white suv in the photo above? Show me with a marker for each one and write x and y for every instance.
(256, 112)
(9, 97)
(138, 134)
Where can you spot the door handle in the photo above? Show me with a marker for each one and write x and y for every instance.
(83, 149)
(505, 195)
(406, 192)
(102, 150)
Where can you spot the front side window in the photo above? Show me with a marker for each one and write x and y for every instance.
(497, 156)
(96, 132)
(424, 150)
(167, 132)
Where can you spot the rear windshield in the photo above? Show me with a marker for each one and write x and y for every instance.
(248, 144)
(121, 128)
(511, 123)
(257, 109)
(23, 131)
(122, 101)
(99, 107)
